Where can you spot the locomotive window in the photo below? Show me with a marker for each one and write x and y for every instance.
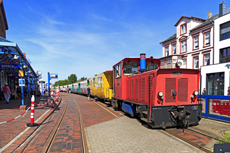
(130, 68)
(176, 73)
(118, 70)
(151, 66)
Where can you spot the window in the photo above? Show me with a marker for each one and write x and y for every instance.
(151, 66)
(225, 31)
(206, 59)
(118, 70)
(225, 55)
(183, 28)
(195, 62)
(184, 64)
(166, 51)
(184, 46)
(94, 82)
(215, 84)
(99, 82)
(207, 38)
(196, 42)
(130, 68)
(174, 49)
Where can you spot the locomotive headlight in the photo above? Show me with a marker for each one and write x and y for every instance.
(160, 93)
(178, 64)
(195, 93)
(192, 96)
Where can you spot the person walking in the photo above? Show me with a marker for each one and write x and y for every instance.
(6, 91)
(228, 91)
(204, 92)
(88, 92)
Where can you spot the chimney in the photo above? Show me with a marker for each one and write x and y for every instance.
(222, 9)
(209, 15)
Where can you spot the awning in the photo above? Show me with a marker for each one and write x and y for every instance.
(12, 58)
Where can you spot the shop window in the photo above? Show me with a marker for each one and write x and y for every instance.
(215, 83)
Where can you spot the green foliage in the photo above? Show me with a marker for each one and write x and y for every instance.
(225, 137)
(62, 82)
(95, 74)
(82, 79)
(72, 78)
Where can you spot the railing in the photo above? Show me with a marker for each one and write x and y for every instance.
(216, 107)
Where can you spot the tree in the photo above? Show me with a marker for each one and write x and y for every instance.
(82, 79)
(95, 74)
(62, 82)
(72, 78)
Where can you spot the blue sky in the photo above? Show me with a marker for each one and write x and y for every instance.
(87, 37)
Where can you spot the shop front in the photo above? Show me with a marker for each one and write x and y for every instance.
(215, 78)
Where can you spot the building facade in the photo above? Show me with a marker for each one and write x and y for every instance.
(215, 78)
(205, 45)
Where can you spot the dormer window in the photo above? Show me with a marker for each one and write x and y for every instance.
(167, 51)
(183, 28)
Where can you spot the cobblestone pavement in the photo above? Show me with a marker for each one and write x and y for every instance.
(10, 130)
(128, 135)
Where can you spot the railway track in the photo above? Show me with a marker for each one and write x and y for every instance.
(193, 137)
(54, 133)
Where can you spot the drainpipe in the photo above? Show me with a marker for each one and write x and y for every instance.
(213, 43)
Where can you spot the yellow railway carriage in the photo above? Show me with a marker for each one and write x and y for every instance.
(101, 86)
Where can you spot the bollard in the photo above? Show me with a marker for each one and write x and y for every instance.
(32, 124)
(51, 102)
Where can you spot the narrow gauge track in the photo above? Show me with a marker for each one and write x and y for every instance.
(193, 137)
(54, 133)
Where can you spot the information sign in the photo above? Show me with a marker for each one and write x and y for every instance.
(21, 82)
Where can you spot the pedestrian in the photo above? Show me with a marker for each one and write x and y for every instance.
(6, 91)
(88, 92)
(228, 91)
(204, 92)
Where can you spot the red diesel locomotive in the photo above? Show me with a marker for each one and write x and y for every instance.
(160, 97)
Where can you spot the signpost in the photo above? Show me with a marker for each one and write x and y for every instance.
(21, 82)
(51, 76)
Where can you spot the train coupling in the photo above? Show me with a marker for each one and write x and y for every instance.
(180, 115)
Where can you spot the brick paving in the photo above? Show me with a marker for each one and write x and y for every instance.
(10, 130)
(38, 140)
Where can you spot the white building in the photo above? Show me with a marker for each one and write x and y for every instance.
(203, 44)
(215, 78)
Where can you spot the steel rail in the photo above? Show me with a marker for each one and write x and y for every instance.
(188, 141)
(83, 137)
(213, 137)
(54, 132)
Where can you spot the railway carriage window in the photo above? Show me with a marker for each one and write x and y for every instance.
(93, 82)
(151, 66)
(101, 81)
(98, 80)
(130, 68)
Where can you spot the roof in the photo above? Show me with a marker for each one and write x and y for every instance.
(194, 18)
(7, 52)
(4, 14)
(206, 22)
(170, 38)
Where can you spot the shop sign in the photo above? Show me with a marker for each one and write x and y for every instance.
(9, 66)
(21, 82)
